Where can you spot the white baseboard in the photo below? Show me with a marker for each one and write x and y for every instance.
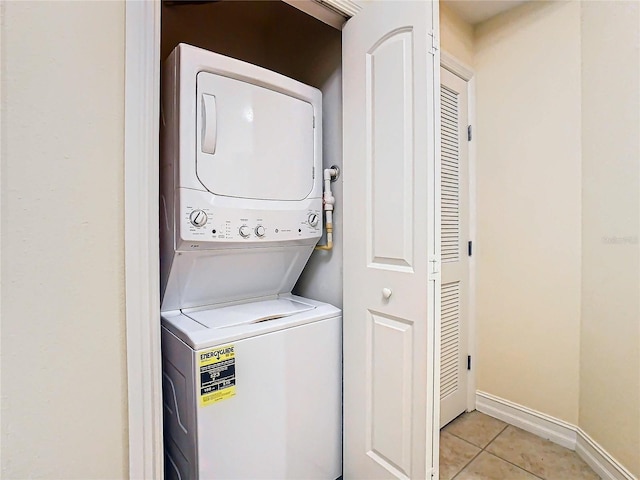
(597, 458)
(539, 424)
(555, 430)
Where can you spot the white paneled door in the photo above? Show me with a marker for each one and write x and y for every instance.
(390, 79)
(454, 238)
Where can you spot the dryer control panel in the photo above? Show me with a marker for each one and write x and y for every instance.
(204, 224)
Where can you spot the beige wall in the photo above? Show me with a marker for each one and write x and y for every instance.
(456, 36)
(610, 341)
(63, 353)
(558, 205)
(64, 412)
(528, 207)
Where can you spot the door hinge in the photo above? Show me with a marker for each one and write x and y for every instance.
(469, 135)
(468, 362)
(434, 270)
(470, 247)
(435, 43)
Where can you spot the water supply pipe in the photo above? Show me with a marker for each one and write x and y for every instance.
(328, 200)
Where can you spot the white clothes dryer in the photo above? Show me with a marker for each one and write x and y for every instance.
(241, 179)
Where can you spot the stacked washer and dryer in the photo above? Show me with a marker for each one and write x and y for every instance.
(251, 373)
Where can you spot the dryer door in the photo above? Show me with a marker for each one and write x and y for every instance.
(253, 142)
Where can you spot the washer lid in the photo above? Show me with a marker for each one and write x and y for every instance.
(252, 141)
(249, 313)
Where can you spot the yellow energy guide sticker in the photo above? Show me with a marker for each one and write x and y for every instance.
(217, 374)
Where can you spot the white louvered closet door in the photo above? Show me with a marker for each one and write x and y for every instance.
(454, 246)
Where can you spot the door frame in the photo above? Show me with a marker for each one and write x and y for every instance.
(466, 73)
(141, 204)
(142, 272)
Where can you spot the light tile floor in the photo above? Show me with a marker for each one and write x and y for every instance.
(476, 446)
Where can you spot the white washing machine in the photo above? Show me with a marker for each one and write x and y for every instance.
(251, 374)
(266, 393)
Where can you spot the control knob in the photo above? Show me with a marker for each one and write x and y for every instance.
(244, 231)
(198, 218)
(260, 231)
(313, 219)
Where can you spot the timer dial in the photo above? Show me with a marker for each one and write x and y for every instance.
(198, 218)
(260, 231)
(313, 219)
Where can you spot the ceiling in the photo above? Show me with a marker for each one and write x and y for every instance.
(476, 11)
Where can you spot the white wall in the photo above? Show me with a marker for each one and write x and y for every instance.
(529, 206)
(610, 340)
(64, 412)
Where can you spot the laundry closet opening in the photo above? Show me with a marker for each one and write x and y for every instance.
(281, 38)
(247, 90)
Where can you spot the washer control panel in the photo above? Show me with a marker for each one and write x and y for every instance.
(199, 222)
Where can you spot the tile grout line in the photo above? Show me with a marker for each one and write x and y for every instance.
(477, 454)
(496, 454)
(517, 466)
(492, 440)
(504, 459)
(472, 459)
(464, 440)
(477, 446)
(466, 465)
(484, 449)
